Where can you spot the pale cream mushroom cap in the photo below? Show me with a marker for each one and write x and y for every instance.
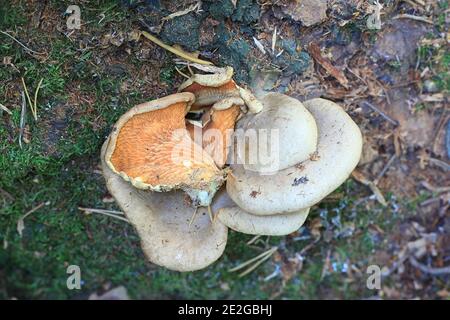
(301, 186)
(162, 222)
(286, 132)
(237, 219)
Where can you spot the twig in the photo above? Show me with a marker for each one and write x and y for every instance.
(429, 270)
(433, 188)
(413, 17)
(384, 115)
(21, 44)
(385, 169)
(175, 51)
(441, 164)
(5, 109)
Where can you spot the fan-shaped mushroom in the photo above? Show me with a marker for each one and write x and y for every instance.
(162, 222)
(300, 186)
(150, 147)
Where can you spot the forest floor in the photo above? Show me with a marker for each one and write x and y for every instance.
(393, 212)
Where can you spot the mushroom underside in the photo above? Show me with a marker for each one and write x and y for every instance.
(151, 147)
(162, 221)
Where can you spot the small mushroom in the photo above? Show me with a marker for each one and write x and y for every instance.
(302, 185)
(239, 220)
(283, 120)
(162, 222)
(223, 102)
(150, 147)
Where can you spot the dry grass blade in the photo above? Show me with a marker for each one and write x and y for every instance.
(194, 7)
(257, 264)
(21, 221)
(274, 40)
(28, 95)
(259, 45)
(175, 51)
(193, 217)
(255, 259)
(22, 122)
(21, 44)
(109, 213)
(252, 240)
(35, 98)
(5, 109)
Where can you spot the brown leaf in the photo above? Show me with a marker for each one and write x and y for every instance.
(315, 52)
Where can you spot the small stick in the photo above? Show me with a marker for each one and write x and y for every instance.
(173, 50)
(384, 115)
(413, 17)
(429, 270)
(385, 169)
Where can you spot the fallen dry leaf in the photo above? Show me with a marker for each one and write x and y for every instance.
(315, 52)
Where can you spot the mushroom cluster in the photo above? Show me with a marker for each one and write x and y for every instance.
(186, 167)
